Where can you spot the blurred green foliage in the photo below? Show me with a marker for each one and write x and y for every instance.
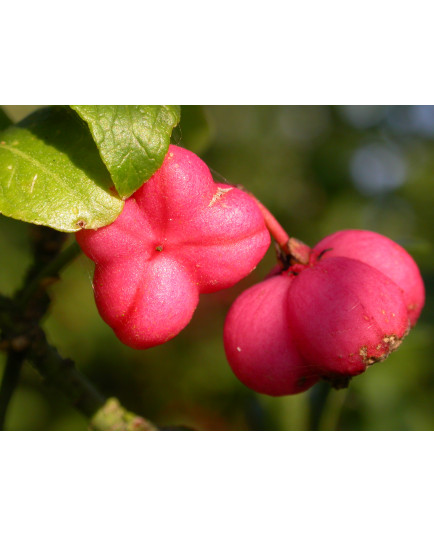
(318, 169)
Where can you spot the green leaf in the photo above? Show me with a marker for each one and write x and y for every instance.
(51, 173)
(4, 120)
(132, 140)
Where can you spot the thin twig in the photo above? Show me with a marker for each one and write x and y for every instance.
(48, 272)
(11, 375)
(60, 373)
(24, 339)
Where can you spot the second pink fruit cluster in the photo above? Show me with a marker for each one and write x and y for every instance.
(347, 309)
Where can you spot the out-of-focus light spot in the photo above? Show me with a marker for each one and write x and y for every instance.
(377, 168)
(412, 120)
(423, 117)
(363, 116)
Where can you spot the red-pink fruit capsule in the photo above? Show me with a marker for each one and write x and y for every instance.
(348, 308)
(383, 254)
(179, 235)
(259, 344)
(345, 315)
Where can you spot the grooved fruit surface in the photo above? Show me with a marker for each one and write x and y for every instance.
(343, 313)
(259, 344)
(178, 236)
(349, 307)
(383, 254)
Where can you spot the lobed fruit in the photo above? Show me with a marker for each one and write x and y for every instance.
(381, 253)
(179, 235)
(260, 347)
(349, 307)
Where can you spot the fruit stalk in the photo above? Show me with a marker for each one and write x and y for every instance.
(274, 228)
(289, 250)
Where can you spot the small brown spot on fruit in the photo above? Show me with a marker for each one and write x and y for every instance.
(367, 359)
(81, 224)
(392, 341)
(220, 192)
(159, 248)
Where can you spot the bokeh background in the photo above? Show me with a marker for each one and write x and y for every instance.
(319, 169)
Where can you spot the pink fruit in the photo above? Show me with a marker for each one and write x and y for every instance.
(383, 254)
(348, 308)
(260, 347)
(179, 235)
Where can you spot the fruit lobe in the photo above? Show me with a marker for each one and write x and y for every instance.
(348, 308)
(178, 236)
(386, 256)
(341, 312)
(259, 346)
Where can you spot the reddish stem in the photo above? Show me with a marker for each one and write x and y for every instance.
(294, 250)
(276, 230)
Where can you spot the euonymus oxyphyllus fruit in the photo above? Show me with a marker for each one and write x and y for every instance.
(346, 309)
(179, 235)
